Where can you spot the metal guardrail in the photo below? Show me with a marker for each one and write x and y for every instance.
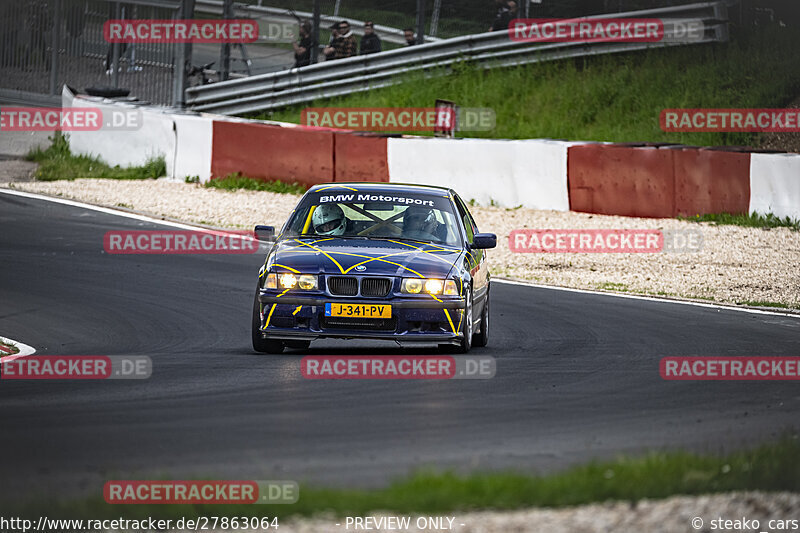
(493, 49)
(273, 14)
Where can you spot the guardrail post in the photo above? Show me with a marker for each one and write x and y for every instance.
(721, 30)
(115, 49)
(183, 57)
(420, 21)
(315, 32)
(225, 50)
(55, 47)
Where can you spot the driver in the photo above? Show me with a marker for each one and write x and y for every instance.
(420, 223)
(329, 219)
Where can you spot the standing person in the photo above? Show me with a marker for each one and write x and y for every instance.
(408, 33)
(302, 48)
(513, 11)
(370, 42)
(330, 50)
(503, 16)
(344, 45)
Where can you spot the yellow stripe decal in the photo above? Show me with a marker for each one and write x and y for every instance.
(336, 187)
(281, 294)
(269, 316)
(326, 254)
(297, 310)
(287, 268)
(449, 320)
(308, 219)
(461, 318)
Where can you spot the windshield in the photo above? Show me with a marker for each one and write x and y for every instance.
(423, 218)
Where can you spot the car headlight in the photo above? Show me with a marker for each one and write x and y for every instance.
(411, 285)
(307, 282)
(450, 288)
(430, 286)
(287, 281)
(290, 281)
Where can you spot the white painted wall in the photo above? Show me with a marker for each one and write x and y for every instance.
(775, 184)
(532, 173)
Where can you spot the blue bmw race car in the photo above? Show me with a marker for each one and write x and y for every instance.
(382, 261)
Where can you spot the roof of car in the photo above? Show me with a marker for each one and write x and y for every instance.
(393, 188)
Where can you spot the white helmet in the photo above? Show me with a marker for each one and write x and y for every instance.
(328, 220)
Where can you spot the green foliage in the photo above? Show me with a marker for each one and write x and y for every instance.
(607, 98)
(771, 467)
(58, 163)
(753, 220)
(235, 182)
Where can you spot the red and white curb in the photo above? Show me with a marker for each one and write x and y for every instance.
(24, 350)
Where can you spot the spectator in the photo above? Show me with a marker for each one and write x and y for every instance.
(302, 48)
(513, 10)
(344, 45)
(503, 16)
(409, 35)
(330, 50)
(370, 42)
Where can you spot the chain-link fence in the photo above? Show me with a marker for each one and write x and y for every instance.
(47, 43)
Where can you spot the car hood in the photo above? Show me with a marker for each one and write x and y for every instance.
(371, 257)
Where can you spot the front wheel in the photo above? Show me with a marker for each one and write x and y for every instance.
(482, 337)
(261, 344)
(466, 341)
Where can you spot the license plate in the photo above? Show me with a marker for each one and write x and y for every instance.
(358, 310)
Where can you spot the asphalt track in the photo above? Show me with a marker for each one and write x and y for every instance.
(577, 376)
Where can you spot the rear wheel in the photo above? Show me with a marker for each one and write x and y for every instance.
(260, 344)
(482, 337)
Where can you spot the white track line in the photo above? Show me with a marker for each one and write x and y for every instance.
(647, 298)
(24, 349)
(146, 218)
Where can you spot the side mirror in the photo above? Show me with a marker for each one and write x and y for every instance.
(484, 240)
(265, 233)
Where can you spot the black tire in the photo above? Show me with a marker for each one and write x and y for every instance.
(466, 342)
(260, 344)
(482, 337)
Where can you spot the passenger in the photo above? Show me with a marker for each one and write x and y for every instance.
(420, 223)
(329, 219)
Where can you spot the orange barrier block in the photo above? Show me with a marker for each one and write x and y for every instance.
(621, 180)
(711, 181)
(272, 152)
(360, 157)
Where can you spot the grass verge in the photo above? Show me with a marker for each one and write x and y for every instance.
(770, 467)
(753, 220)
(235, 182)
(615, 97)
(57, 162)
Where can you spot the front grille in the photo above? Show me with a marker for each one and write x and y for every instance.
(343, 285)
(381, 324)
(375, 286)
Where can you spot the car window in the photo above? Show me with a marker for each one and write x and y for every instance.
(466, 217)
(412, 217)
